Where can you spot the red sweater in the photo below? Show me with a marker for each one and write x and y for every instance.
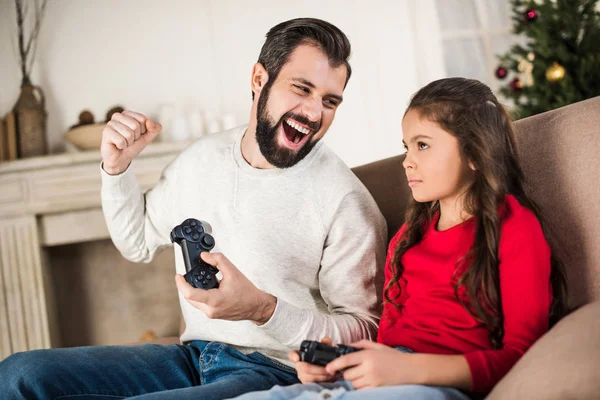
(430, 318)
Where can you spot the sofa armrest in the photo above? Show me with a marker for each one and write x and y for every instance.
(563, 364)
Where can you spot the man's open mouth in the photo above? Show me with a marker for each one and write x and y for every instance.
(295, 133)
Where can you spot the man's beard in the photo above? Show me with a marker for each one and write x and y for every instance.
(266, 135)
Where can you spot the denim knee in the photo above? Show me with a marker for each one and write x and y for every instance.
(19, 371)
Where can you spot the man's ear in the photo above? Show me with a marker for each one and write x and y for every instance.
(259, 79)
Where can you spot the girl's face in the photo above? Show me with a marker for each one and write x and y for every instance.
(434, 166)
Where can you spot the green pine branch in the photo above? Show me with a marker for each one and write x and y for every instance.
(566, 32)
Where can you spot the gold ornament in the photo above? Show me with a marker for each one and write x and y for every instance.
(555, 73)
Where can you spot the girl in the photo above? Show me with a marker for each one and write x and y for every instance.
(470, 280)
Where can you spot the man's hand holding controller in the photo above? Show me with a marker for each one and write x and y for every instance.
(123, 138)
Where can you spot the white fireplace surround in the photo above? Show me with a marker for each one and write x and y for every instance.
(49, 201)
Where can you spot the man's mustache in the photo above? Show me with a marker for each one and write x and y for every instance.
(314, 126)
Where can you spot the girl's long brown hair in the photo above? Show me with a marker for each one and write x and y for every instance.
(468, 110)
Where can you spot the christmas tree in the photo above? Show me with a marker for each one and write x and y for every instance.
(559, 62)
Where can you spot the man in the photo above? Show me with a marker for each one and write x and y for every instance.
(299, 241)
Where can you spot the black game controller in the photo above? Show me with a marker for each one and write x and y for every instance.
(193, 239)
(322, 354)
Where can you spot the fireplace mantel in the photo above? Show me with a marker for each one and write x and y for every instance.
(48, 201)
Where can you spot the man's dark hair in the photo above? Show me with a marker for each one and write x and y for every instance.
(285, 37)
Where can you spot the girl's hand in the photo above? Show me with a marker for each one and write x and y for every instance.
(310, 372)
(377, 365)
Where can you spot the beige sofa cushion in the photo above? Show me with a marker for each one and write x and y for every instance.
(564, 364)
(560, 155)
(386, 181)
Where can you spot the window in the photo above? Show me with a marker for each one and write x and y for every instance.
(473, 33)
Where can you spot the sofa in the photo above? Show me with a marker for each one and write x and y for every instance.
(560, 154)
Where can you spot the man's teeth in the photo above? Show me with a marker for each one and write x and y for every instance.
(298, 127)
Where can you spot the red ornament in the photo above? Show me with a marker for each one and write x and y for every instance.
(530, 15)
(501, 72)
(515, 85)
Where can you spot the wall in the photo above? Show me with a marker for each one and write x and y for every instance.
(143, 53)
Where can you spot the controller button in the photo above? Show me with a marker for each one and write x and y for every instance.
(208, 276)
(208, 241)
(205, 282)
(202, 272)
(187, 229)
(195, 236)
(193, 223)
(212, 269)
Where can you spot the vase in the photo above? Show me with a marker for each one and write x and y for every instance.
(30, 121)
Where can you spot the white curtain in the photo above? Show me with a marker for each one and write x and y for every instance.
(473, 33)
(429, 51)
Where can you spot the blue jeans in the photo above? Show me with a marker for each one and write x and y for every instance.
(343, 390)
(198, 370)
